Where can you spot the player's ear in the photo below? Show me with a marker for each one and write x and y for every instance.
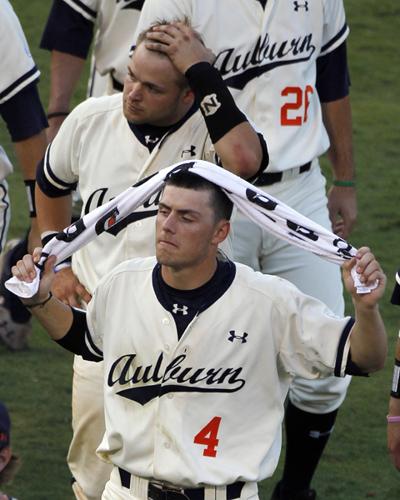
(221, 232)
(5, 457)
(188, 95)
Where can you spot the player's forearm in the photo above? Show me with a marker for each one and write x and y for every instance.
(338, 122)
(55, 317)
(53, 214)
(240, 150)
(65, 71)
(29, 152)
(368, 341)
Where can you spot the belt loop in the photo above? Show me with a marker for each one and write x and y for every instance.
(139, 487)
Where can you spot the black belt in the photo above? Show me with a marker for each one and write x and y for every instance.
(268, 179)
(163, 492)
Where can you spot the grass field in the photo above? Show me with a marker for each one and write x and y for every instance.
(36, 384)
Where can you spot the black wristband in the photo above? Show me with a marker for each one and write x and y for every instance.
(30, 194)
(216, 102)
(39, 304)
(56, 114)
(395, 392)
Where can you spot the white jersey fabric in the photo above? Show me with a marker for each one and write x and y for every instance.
(116, 22)
(18, 69)
(267, 57)
(96, 148)
(161, 392)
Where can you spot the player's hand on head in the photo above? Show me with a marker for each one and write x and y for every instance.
(370, 272)
(67, 288)
(180, 43)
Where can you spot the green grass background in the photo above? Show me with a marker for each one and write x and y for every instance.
(36, 384)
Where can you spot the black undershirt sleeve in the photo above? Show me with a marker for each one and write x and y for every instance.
(333, 78)
(67, 31)
(74, 339)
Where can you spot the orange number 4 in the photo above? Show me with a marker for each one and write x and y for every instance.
(300, 103)
(208, 437)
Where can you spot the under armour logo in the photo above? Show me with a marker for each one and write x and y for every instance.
(210, 104)
(151, 140)
(191, 151)
(298, 5)
(183, 310)
(233, 336)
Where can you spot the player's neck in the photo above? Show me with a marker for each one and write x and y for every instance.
(189, 278)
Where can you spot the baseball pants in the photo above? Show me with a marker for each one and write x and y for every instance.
(89, 471)
(306, 193)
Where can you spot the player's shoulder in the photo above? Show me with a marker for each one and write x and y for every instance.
(136, 267)
(272, 287)
(94, 106)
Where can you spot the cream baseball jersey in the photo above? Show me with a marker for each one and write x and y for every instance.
(18, 67)
(183, 411)
(267, 55)
(116, 21)
(96, 148)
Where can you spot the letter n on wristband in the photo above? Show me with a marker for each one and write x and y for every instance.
(216, 102)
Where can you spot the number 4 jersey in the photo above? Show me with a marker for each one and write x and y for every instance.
(267, 52)
(207, 408)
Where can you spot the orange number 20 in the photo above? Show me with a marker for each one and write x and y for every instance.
(208, 437)
(299, 102)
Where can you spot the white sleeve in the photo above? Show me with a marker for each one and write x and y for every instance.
(335, 29)
(158, 10)
(17, 67)
(94, 334)
(62, 158)
(314, 342)
(87, 8)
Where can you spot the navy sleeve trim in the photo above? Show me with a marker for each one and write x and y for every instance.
(55, 186)
(75, 339)
(67, 31)
(24, 114)
(85, 8)
(334, 39)
(18, 82)
(341, 346)
(333, 78)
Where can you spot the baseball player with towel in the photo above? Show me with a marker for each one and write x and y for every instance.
(285, 64)
(168, 111)
(199, 351)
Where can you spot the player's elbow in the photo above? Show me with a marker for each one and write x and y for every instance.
(246, 161)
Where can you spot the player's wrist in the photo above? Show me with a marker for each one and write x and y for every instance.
(39, 302)
(216, 102)
(347, 183)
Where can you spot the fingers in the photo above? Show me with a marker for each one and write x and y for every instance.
(368, 267)
(67, 288)
(25, 269)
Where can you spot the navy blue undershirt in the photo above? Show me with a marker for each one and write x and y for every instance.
(184, 305)
(151, 135)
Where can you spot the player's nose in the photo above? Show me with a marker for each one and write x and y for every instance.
(169, 223)
(135, 91)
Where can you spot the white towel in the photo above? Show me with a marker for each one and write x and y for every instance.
(263, 209)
